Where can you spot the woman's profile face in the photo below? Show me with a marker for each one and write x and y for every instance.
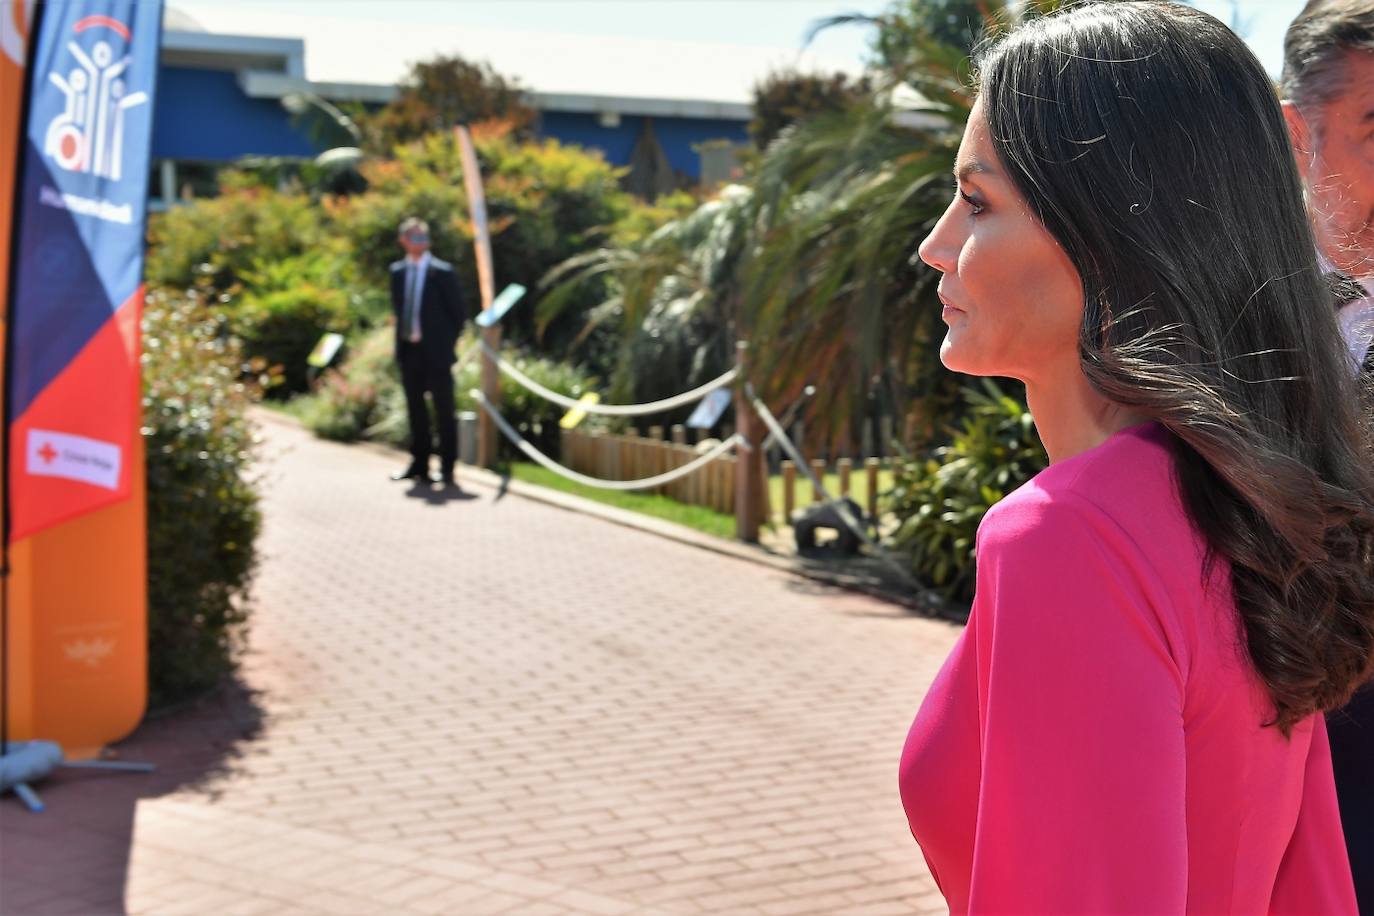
(1012, 299)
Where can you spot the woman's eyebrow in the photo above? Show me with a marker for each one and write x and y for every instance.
(972, 167)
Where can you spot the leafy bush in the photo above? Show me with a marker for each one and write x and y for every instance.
(203, 516)
(211, 242)
(284, 308)
(441, 91)
(784, 97)
(363, 399)
(941, 499)
(545, 203)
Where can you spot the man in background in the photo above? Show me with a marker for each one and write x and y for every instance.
(1328, 85)
(429, 318)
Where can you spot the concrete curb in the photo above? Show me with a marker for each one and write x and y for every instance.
(925, 603)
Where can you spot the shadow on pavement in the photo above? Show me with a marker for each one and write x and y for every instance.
(73, 857)
(438, 495)
(826, 568)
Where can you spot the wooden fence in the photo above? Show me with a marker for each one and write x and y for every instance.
(633, 457)
(614, 457)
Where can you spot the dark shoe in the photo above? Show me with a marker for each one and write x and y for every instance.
(414, 472)
(444, 477)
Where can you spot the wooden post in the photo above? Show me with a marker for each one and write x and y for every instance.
(749, 461)
(817, 468)
(789, 490)
(655, 454)
(871, 469)
(678, 489)
(488, 436)
(844, 465)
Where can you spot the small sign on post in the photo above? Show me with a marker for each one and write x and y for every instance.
(325, 350)
(710, 408)
(500, 305)
(577, 415)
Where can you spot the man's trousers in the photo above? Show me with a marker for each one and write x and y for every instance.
(419, 377)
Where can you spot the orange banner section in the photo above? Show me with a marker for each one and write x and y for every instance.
(14, 36)
(14, 33)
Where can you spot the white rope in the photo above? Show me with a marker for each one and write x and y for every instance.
(641, 484)
(610, 410)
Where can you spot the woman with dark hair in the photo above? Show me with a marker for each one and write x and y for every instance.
(1130, 721)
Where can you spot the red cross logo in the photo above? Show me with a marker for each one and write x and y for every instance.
(47, 453)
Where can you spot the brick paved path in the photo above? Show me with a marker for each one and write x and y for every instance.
(492, 705)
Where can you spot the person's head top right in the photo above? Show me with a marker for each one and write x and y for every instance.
(1328, 84)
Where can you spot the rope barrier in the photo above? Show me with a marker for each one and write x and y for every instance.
(641, 484)
(610, 410)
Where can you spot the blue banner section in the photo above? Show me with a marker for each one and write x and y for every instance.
(85, 182)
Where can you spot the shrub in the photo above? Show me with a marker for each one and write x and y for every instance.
(203, 516)
(941, 499)
(284, 308)
(212, 241)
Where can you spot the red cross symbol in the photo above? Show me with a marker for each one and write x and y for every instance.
(47, 453)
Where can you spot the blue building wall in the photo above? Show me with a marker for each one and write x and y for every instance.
(205, 115)
(677, 136)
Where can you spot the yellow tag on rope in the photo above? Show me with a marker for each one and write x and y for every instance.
(577, 415)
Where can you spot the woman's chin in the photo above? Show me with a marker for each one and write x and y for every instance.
(954, 359)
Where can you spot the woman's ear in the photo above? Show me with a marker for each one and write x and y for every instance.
(1300, 133)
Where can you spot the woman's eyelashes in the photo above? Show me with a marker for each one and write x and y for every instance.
(975, 207)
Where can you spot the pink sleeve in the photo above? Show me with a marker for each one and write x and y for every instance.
(1314, 876)
(1081, 804)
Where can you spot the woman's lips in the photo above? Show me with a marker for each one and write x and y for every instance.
(949, 309)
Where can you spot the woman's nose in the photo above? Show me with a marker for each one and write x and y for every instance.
(939, 249)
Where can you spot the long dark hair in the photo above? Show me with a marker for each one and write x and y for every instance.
(1149, 142)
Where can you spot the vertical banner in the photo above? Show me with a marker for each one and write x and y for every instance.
(76, 660)
(78, 297)
(487, 433)
(477, 207)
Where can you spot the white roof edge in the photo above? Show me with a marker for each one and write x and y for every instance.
(290, 50)
(261, 84)
(629, 105)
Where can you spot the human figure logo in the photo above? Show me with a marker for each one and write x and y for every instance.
(88, 136)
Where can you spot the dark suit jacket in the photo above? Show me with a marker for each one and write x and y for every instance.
(1351, 729)
(441, 310)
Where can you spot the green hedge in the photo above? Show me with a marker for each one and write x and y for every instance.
(283, 267)
(203, 517)
(942, 497)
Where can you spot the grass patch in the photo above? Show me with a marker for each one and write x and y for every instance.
(858, 488)
(699, 518)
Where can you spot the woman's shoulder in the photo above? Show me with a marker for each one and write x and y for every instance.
(1124, 489)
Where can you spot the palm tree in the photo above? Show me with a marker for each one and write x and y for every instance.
(813, 261)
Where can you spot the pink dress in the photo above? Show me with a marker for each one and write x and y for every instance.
(1093, 744)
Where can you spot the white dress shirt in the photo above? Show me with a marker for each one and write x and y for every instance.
(420, 265)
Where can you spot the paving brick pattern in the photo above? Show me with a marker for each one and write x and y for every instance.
(490, 705)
